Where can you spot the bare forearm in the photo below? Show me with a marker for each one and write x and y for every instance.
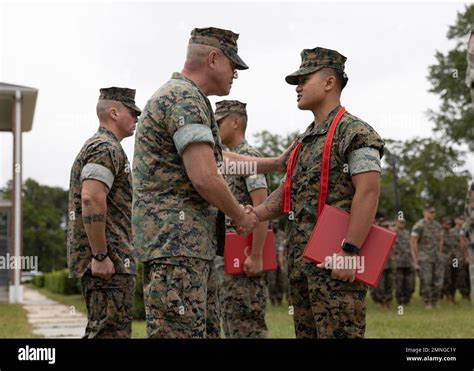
(271, 207)
(364, 207)
(259, 237)
(414, 249)
(94, 217)
(245, 165)
(217, 193)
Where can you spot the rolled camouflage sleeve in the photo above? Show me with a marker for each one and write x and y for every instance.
(189, 123)
(256, 181)
(417, 230)
(363, 160)
(102, 164)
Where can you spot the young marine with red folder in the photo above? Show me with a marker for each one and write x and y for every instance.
(327, 303)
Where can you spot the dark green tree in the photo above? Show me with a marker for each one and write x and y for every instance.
(455, 117)
(422, 171)
(44, 223)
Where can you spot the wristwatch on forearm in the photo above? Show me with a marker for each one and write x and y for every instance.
(100, 256)
(349, 247)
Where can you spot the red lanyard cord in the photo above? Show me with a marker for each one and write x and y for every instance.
(324, 176)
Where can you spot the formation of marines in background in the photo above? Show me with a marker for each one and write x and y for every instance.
(171, 210)
(437, 252)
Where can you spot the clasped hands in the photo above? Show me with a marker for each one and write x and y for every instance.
(247, 222)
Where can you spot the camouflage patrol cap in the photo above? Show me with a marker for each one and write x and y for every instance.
(226, 107)
(224, 40)
(446, 220)
(313, 60)
(429, 207)
(123, 95)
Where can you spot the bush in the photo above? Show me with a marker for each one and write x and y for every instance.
(59, 282)
(38, 281)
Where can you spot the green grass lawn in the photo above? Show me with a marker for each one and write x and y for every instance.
(13, 322)
(414, 321)
(411, 321)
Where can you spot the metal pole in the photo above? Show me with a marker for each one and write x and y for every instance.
(17, 188)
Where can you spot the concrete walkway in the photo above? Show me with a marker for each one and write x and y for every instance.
(50, 319)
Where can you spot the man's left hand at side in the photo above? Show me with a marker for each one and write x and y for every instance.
(253, 265)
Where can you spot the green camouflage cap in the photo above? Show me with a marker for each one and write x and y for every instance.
(123, 95)
(429, 207)
(226, 107)
(313, 60)
(224, 40)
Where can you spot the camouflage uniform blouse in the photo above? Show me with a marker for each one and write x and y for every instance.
(349, 156)
(102, 158)
(242, 186)
(429, 238)
(402, 249)
(170, 218)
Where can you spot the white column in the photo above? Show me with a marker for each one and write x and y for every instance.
(16, 292)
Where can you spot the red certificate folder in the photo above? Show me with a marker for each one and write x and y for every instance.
(237, 248)
(327, 237)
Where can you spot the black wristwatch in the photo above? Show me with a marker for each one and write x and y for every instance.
(100, 257)
(349, 248)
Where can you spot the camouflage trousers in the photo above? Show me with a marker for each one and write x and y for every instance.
(451, 277)
(109, 305)
(404, 284)
(471, 272)
(327, 308)
(383, 293)
(243, 303)
(213, 319)
(464, 281)
(277, 286)
(219, 274)
(176, 292)
(431, 280)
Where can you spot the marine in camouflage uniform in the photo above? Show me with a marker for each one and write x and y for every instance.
(176, 231)
(469, 204)
(453, 257)
(102, 158)
(277, 280)
(383, 293)
(427, 233)
(460, 236)
(324, 307)
(405, 270)
(469, 230)
(243, 298)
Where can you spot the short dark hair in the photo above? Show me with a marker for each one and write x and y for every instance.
(243, 118)
(341, 77)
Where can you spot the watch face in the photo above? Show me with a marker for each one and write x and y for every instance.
(100, 257)
(347, 247)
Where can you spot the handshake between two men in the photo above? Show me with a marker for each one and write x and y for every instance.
(249, 221)
(270, 208)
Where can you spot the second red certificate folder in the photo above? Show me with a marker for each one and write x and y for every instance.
(237, 248)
